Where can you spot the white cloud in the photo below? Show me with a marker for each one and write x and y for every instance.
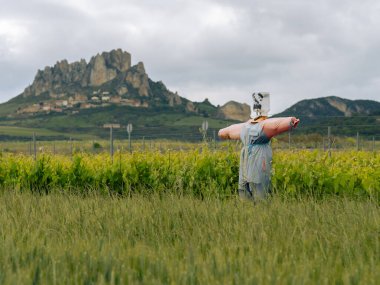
(12, 34)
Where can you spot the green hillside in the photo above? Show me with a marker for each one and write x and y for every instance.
(163, 122)
(345, 117)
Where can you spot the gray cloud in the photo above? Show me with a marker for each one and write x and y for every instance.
(222, 50)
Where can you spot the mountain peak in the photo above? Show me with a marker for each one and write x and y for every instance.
(101, 69)
(108, 78)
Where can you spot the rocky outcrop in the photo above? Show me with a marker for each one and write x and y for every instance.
(122, 90)
(109, 77)
(339, 105)
(348, 108)
(107, 66)
(110, 71)
(174, 99)
(101, 69)
(139, 79)
(234, 111)
(100, 74)
(190, 107)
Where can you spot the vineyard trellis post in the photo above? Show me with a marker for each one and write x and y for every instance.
(169, 164)
(204, 129)
(111, 127)
(214, 133)
(111, 143)
(35, 146)
(329, 139)
(129, 130)
(357, 141)
(373, 144)
(71, 147)
(118, 148)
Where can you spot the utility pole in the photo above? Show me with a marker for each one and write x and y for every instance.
(329, 139)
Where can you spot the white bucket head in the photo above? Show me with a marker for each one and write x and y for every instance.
(261, 104)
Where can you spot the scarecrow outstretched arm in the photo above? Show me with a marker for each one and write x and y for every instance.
(232, 132)
(275, 126)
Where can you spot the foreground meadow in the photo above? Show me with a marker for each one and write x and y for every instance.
(169, 239)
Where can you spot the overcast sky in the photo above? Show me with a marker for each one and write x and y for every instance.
(222, 50)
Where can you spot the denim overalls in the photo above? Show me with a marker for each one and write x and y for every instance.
(255, 162)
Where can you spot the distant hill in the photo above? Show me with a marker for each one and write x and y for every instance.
(81, 97)
(333, 106)
(346, 117)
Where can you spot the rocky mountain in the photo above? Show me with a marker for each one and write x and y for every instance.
(101, 69)
(107, 79)
(82, 96)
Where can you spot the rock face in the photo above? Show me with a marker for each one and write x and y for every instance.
(234, 111)
(101, 69)
(110, 78)
(105, 67)
(139, 79)
(100, 73)
(108, 74)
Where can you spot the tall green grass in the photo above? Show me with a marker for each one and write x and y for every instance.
(66, 239)
(200, 173)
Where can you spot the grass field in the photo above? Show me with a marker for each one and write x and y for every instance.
(12, 131)
(201, 173)
(69, 239)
